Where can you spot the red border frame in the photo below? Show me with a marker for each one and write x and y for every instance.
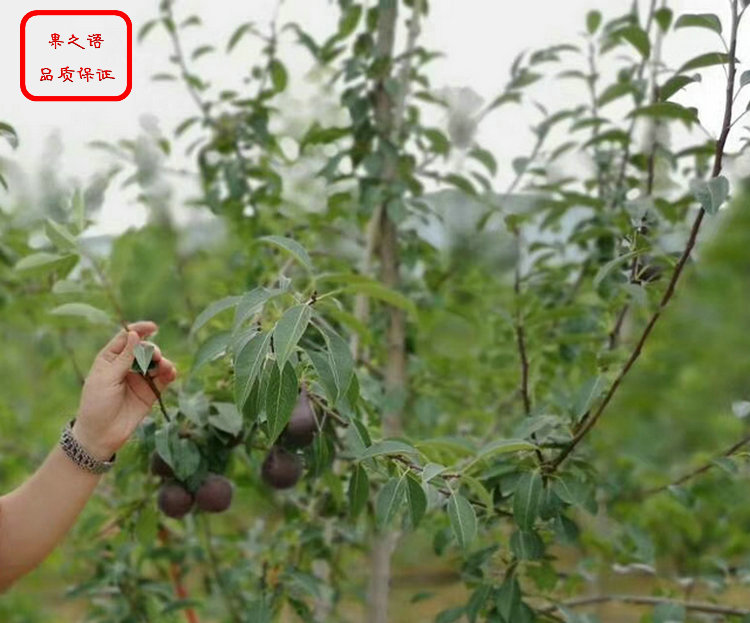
(77, 98)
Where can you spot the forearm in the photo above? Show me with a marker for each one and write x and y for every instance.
(35, 517)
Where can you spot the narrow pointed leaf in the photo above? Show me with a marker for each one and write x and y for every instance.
(247, 366)
(463, 520)
(416, 500)
(214, 309)
(281, 397)
(526, 499)
(212, 348)
(289, 330)
(388, 502)
(291, 246)
(359, 491)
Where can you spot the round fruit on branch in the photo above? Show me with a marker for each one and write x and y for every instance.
(281, 469)
(215, 494)
(174, 500)
(159, 467)
(303, 425)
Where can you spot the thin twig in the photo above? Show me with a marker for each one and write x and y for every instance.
(733, 449)
(648, 601)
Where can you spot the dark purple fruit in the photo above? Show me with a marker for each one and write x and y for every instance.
(174, 500)
(302, 426)
(159, 467)
(215, 494)
(281, 469)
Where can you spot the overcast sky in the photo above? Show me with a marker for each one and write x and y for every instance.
(480, 38)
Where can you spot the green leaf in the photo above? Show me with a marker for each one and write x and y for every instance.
(711, 194)
(340, 361)
(587, 394)
(663, 17)
(289, 330)
(593, 21)
(144, 353)
(575, 492)
(78, 207)
(526, 545)
(669, 613)
(451, 615)
(359, 491)
(509, 600)
(388, 501)
(616, 91)
(281, 396)
(431, 470)
(214, 309)
(667, 110)
(247, 366)
(291, 246)
(726, 464)
(415, 499)
(386, 448)
(8, 132)
(477, 602)
(699, 20)
(182, 455)
(251, 303)
(279, 75)
(40, 263)
(83, 310)
(349, 21)
(479, 490)
(462, 183)
(375, 290)
(202, 51)
(526, 499)
(705, 60)
(607, 268)
(238, 34)
(499, 446)
(486, 158)
(463, 520)
(60, 236)
(164, 77)
(186, 458)
(184, 126)
(321, 363)
(227, 418)
(638, 38)
(675, 84)
(213, 347)
(145, 29)
(438, 141)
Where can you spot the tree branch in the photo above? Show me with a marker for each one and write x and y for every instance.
(636, 600)
(733, 449)
(679, 268)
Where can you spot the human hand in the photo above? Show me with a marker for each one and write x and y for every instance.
(115, 400)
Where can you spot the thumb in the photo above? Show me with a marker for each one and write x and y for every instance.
(124, 360)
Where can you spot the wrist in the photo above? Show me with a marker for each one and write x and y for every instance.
(93, 444)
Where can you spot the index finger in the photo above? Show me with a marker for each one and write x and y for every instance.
(116, 345)
(143, 328)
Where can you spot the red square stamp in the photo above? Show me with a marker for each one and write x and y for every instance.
(76, 56)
